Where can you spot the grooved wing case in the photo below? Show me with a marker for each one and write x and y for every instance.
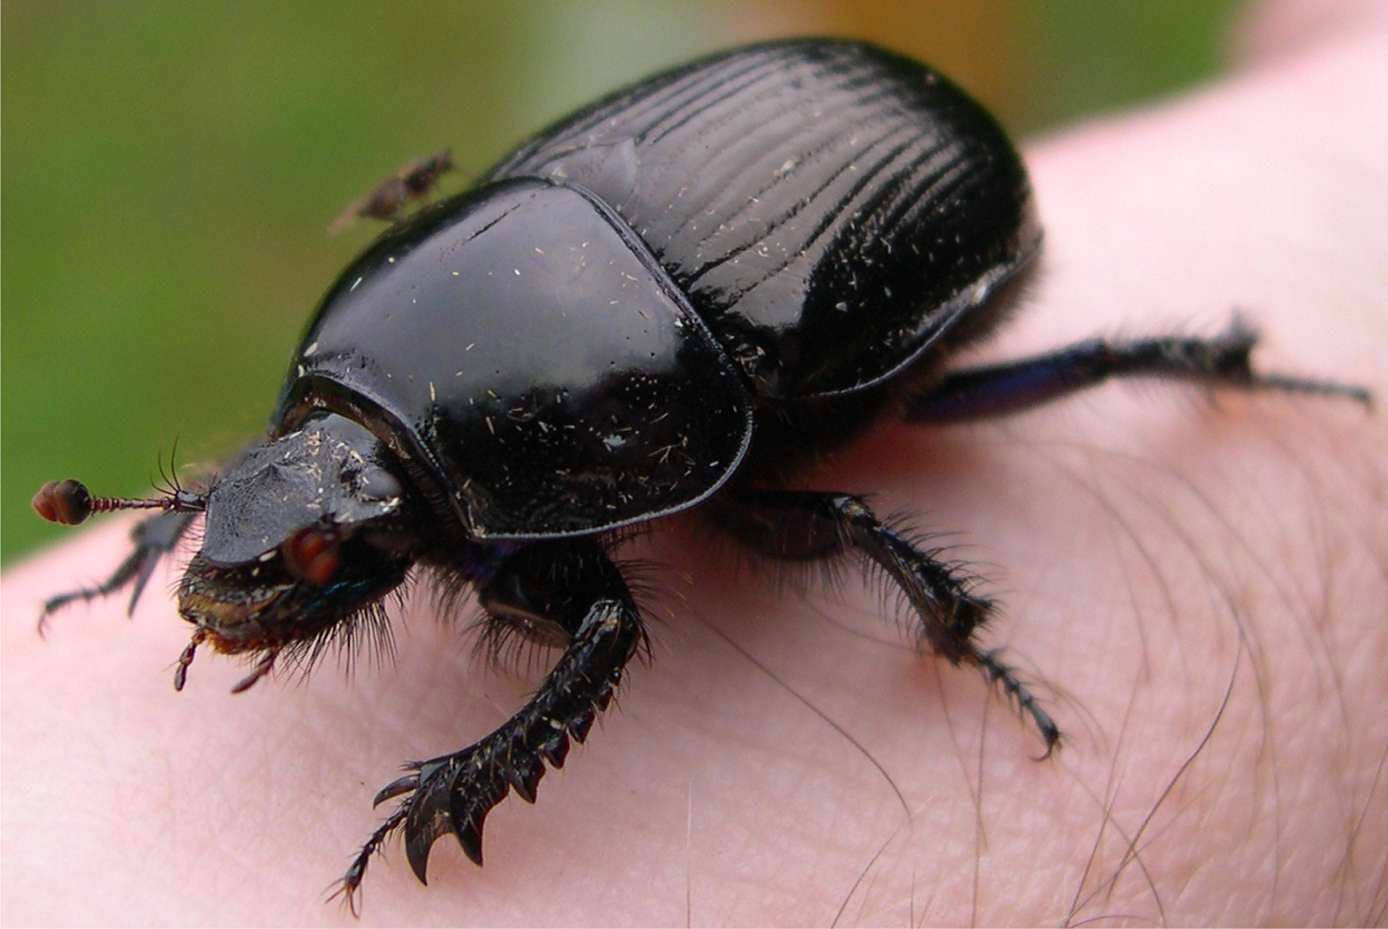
(830, 208)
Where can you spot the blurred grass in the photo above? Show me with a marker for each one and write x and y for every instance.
(168, 171)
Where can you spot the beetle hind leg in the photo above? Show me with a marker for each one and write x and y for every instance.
(1011, 387)
(822, 525)
(154, 538)
(576, 587)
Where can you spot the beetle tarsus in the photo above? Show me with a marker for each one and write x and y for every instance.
(349, 885)
(1020, 696)
(1302, 385)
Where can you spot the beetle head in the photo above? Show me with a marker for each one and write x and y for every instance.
(304, 534)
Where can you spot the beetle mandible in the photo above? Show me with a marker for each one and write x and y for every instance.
(676, 297)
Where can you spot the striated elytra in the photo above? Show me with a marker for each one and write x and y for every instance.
(674, 298)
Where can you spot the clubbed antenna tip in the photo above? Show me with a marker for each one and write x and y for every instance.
(69, 502)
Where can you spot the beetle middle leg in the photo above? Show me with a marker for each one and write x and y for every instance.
(997, 390)
(813, 525)
(569, 585)
(154, 538)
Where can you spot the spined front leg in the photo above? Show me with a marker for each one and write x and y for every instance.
(549, 589)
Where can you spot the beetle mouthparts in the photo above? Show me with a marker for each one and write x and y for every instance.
(186, 658)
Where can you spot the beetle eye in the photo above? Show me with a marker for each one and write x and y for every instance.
(312, 555)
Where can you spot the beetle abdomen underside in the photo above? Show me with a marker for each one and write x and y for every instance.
(829, 207)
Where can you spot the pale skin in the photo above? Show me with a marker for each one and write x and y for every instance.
(1178, 569)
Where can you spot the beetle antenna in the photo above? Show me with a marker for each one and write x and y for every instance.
(69, 502)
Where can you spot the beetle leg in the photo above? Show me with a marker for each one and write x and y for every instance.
(574, 585)
(154, 538)
(997, 390)
(812, 525)
(412, 181)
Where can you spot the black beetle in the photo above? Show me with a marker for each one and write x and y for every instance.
(675, 297)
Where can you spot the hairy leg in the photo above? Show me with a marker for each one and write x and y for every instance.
(997, 390)
(813, 525)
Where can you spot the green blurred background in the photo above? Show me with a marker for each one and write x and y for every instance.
(169, 169)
